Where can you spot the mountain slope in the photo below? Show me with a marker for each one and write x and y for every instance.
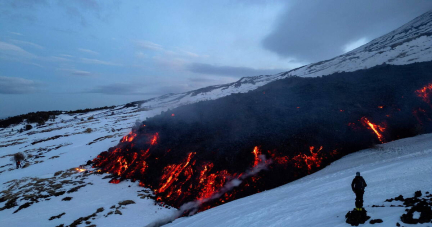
(33, 195)
(408, 44)
(323, 198)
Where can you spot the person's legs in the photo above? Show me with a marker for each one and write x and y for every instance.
(359, 199)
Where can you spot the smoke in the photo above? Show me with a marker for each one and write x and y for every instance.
(191, 208)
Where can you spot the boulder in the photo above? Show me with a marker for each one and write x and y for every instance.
(356, 217)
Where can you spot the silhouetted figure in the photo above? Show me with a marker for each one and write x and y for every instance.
(358, 186)
(18, 164)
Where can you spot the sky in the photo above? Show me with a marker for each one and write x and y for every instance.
(67, 55)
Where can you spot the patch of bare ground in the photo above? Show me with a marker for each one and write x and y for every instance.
(87, 218)
(50, 138)
(116, 209)
(28, 191)
(101, 139)
(12, 144)
(47, 130)
(57, 216)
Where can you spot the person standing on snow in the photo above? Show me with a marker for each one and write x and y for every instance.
(358, 186)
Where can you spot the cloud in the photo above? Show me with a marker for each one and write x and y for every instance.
(66, 55)
(16, 33)
(138, 89)
(353, 45)
(97, 62)
(12, 52)
(76, 72)
(118, 89)
(16, 85)
(177, 52)
(80, 73)
(148, 45)
(230, 70)
(88, 51)
(320, 30)
(25, 43)
(55, 58)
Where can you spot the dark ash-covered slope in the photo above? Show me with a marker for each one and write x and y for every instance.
(300, 124)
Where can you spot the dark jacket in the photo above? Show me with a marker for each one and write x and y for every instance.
(358, 184)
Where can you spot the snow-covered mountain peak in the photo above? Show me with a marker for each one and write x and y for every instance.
(408, 44)
(420, 26)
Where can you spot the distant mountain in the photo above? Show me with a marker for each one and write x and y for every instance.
(408, 44)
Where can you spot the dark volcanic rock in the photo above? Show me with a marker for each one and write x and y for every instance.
(399, 198)
(373, 221)
(356, 217)
(425, 214)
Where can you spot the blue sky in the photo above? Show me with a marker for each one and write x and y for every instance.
(85, 53)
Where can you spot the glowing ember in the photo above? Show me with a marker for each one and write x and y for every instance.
(80, 170)
(257, 154)
(309, 161)
(114, 181)
(377, 129)
(425, 93)
(129, 137)
(279, 160)
(154, 139)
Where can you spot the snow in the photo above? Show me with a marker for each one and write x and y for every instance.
(323, 198)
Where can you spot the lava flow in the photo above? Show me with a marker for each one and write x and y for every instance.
(425, 93)
(309, 160)
(377, 129)
(173, 182)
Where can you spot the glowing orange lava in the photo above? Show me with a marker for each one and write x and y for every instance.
(172, 172)
(80, 170)
(377, 129)
(114, 181)
(309, 161)
(425, 93)
(256, 151)
(279, 160)
(129, 137)
(154, 139)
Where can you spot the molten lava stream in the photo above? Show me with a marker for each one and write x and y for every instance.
(375, 128)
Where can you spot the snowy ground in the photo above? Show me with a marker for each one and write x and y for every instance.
(323, 198)
(50, 175)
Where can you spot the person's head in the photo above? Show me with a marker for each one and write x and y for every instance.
(358, 174)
